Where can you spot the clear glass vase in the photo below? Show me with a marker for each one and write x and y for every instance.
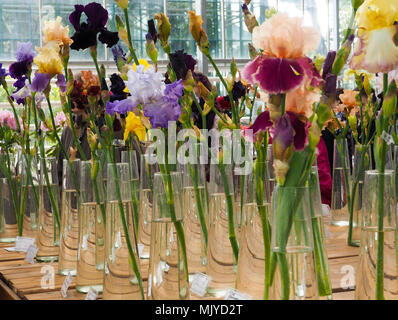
(122, 275)
(340, 184)
(29, 199)
(195, 209)
(254, 245)
(47, 240)
(377, 270)
(67, 262)
(293, 274)
(221, 261)
(9, 199)
(167, 279)
(361, 163)
(91, 240)
(319, 238)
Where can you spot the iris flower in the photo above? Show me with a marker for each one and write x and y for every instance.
(377, 50)
(134, 125)
(87, 32)
(283, 65)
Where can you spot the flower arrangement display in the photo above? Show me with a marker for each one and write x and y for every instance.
(172, 114)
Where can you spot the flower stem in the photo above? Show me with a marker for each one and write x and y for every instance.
(131, 48)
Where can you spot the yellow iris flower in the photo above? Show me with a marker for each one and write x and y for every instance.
(134, 125)
(376, 51)
(48, 60)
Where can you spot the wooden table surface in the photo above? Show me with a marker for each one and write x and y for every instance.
(21, 280)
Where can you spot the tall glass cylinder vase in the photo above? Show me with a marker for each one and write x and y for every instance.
(91, 240)
(8, 201)
(318, 235)
(47, 240)
(361, 163)
(377, 270)
(29, 199)
(148, 170)
(167, 269)
(122, 278)
(195, 209)
(340, 184)
(294, 277)
(254, 246)
(221, 262)
(69, 218)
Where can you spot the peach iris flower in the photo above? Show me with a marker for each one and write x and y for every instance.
(54, 31)
(283, 65)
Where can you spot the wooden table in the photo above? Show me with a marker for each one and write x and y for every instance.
(21, 280)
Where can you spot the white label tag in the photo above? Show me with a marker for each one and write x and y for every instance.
(387, 138)
(91, 294)
(84, 242)
(199, 284)
(65, 285)
(140, 249)
(233, 294)
(11, 249)
(22, 243)
(31, 253)
(149, 285)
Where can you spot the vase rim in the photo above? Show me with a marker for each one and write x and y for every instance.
(376, 172)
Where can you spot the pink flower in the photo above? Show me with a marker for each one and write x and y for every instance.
(7, 119)
(60, 119)
(283, 65)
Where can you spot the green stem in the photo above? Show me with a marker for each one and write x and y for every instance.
(131, 48)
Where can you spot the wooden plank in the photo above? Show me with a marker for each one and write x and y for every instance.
(345, 295)
(6, 293)
(7, 256)
(338, 248)
(56, 295)
(339, 273)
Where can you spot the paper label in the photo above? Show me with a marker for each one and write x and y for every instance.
(149, 285)
(387, 138)
(23, 243)
(84, 242)
(140, 249)
(91, 294)
(11, 249)
(199, 284)
(31, 253)
(65, 285)
(233, 294)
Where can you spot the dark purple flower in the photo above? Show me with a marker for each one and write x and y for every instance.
(181, 62)
(61, 83)
(117, 87)
(238, 90)
(3, 72)
(328, 64)
(40, 82)
(86, 32)
(108, 37)
(20, 83)
(152, 30)
(167, 108)
(330, 87)
(19, 69)
(274, 75)
(25, 52)
(122, 106)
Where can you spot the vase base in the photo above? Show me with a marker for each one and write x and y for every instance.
(85, 289)
(47, 259)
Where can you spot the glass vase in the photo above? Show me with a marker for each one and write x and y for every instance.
(47, 240)
(318, 235)
(91, 240)
(361, 163)
(340, 184)
(168, 276)
(254, 245)
(221, 261)
(29, 199)
(195, 208)
(377, 270)
(9, 199)
(122, 276)
(69, 236)
(147, 174)
(293, 275)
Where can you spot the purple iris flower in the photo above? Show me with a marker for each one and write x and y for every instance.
(119, 56)
(167, 108)
(181, 62)
(122, 106)
(61, 82)
(3, 72)
(40, 82)
(86, 32)
(25, 52)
